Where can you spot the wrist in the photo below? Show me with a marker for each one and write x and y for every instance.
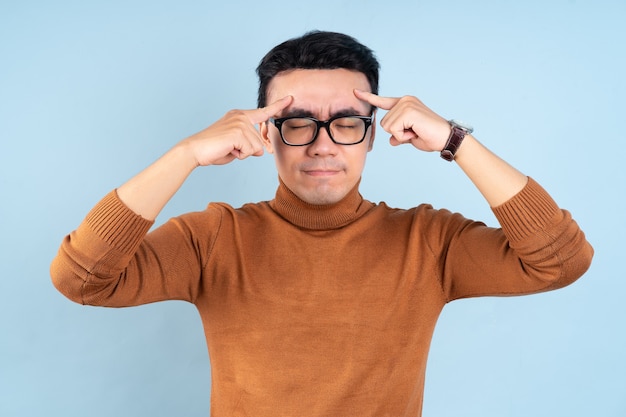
(462, 150)
(458, 131)
(183, 152)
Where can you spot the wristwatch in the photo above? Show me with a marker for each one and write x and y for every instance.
(457, 133)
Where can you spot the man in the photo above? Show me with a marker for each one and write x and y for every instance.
(319, 302)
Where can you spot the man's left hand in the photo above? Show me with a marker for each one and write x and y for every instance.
(408, 120)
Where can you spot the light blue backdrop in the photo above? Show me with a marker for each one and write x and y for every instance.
(92, 92)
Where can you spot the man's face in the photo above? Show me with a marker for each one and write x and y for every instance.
(322, 172)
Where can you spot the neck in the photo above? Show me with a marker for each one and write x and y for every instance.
(319, 216)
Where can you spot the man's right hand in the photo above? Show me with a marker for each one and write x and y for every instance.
(234, 136)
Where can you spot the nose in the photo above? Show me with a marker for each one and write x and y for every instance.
(323, 144)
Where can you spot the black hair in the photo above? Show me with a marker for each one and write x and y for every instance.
(317, 50)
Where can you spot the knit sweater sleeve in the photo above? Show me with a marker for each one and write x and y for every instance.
(111, 260)
(539, 247)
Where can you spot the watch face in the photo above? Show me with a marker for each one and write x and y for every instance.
(462, 125)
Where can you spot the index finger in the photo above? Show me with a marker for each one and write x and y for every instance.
(262, 114)
(385, 103)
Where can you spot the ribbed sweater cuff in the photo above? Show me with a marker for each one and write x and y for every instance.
(527, 212)
(116, 224)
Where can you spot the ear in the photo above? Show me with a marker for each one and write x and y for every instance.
(267, 142)
(372, 132)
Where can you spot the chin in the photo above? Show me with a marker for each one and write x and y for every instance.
(322, 195)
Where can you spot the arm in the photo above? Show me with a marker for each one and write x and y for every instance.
(232, 137)
(109, 260)
(539, 247)
(410, 121)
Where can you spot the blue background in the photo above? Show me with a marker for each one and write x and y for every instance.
(92, 92)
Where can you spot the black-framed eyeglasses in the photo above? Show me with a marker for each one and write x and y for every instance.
(342, 130)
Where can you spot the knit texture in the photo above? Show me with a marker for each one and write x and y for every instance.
(319, 310)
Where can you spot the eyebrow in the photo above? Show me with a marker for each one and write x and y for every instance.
(300, 112)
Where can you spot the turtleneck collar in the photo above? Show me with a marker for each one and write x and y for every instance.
(322, 216)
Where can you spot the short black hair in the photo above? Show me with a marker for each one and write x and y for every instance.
(317, 50)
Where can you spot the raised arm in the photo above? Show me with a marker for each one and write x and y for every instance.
(539, 247)
(409, 121)
(111, 260)
(234, 136)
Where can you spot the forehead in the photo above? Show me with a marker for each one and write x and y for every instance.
(321, 92)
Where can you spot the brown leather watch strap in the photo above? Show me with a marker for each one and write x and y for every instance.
(454, 141)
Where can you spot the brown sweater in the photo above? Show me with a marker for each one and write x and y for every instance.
(319, 310)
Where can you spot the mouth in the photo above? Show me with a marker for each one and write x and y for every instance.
(321, 172)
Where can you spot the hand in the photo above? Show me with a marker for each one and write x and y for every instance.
(234, 136)
(409, 121)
